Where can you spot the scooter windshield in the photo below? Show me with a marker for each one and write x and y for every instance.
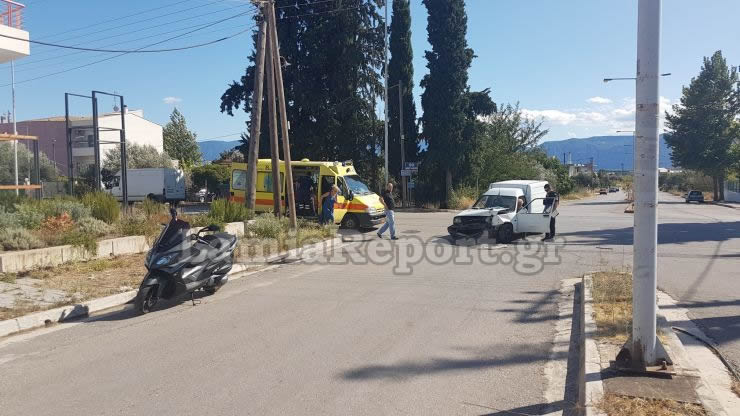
(175, 233)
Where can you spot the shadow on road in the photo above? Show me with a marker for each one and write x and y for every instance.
(669, 233)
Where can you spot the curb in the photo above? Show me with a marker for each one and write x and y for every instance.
(681, 357)
(591, 388)
(43, 318)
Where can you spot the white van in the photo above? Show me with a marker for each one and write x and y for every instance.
(496, 212)
(160, 184)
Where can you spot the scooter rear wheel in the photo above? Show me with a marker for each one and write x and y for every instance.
(145, 299)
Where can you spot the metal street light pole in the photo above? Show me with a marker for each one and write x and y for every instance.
(15, 127)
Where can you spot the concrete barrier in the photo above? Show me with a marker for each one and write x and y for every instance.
(19, 261)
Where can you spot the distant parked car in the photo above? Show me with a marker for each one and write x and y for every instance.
(603, 191)
(613, 189)
(697, 196)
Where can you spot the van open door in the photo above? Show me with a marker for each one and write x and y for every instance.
(533, 218)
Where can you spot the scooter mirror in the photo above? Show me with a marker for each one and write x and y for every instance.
(173, 212)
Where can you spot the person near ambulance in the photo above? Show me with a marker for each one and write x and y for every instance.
(390, 221)
(328, 199)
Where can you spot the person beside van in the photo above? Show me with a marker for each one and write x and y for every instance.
(551, 205)
(327, 206)
(389, 205)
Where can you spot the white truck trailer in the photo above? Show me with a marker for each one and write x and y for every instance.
(496, 212)
(160, 184)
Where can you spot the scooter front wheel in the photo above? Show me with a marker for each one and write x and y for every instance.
(146, 299)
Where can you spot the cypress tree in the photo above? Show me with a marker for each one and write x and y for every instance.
(445, 98)
(401, 68)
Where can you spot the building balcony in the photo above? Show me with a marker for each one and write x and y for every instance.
(13, 39)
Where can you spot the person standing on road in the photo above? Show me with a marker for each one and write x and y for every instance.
(390, 220)
(552, 200)
(327, 206)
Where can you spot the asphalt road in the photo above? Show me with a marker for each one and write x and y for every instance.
(466, 333)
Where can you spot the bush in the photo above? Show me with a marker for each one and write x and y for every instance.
(78, 238)
(28, 216)
(54, 226)
(55, 207)
(462, 198)
(223, 211)
(18, 239)
(103, 206)
(93, 226)
(138, 224)
(8, 200)
(8, 219)
(268, 226)
(152, 208)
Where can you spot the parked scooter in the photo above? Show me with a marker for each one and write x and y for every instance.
(179, 263)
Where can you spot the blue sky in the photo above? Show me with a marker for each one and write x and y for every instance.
(550, 56)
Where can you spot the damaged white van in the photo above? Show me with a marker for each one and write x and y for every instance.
(506, 211)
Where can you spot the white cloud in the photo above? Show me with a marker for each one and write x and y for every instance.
(599, 100)
(555, 116)
(606, 120)
(171, 100)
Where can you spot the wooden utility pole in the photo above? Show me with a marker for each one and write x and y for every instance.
(278, 73)
(250, 199)
(272, 117)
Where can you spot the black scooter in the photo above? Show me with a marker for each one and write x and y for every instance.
(179, 263)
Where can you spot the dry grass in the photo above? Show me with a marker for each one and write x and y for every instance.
(82, 281)
(612, 296)
(94, 278)
(579, 194)
(615, 405)
(253, 248)
(736, 387)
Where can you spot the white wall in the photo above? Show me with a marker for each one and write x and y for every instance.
(11, 48)
(138, 130)
(731, 195)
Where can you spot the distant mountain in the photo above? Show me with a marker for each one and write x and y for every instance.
(609, 152)
(212, 148)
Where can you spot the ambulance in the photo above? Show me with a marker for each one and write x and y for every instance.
(356, 206)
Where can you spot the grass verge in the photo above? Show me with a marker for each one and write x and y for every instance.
(612, 296)
(268, 236)
(615, 405)
(82, 281)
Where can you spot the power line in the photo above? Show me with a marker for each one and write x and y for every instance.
(143, 47)
(140, 29)
(110, 50)
(63, 56)
(182, 35)
(117, 18)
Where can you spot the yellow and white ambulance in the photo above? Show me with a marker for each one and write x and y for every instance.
(356, 206)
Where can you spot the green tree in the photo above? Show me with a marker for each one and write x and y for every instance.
(700, 132)
(401, 69)
(138, 157)
(211, 176)
(179, 142)
(25, 165)
(232, 155)
(445, 98)
(331, 56)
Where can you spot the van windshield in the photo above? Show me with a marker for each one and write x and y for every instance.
(355, 184)
(492, 201)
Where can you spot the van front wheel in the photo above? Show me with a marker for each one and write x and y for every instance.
(350, 221)
(505, 233)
